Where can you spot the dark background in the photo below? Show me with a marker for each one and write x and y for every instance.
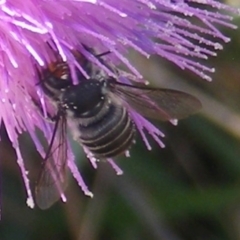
(190, 190)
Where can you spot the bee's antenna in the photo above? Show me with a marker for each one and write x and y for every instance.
(102, 54)
(91, 50)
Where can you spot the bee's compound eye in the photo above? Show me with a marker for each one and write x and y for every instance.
(57, 76)
(58, 83)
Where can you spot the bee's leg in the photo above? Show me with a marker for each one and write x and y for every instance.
(49, 118)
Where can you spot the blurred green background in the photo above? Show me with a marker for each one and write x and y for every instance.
(189, 190)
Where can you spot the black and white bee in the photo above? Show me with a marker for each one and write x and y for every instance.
(97, 111)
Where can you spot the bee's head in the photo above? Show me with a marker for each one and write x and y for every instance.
(57, 76)
(55, 79)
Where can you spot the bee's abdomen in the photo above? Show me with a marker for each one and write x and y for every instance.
(109, 136)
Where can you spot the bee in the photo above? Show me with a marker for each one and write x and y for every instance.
(97, 111)
(54, 81)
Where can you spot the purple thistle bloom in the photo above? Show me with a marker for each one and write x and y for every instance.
(178, 30)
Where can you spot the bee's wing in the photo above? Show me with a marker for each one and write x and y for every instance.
(53, 176)
(157, 103)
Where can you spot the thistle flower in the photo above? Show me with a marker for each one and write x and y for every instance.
(178, 30)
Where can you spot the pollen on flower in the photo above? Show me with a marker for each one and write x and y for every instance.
(30, 203)
(118, 170)
(63, 197)
(185, 33)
